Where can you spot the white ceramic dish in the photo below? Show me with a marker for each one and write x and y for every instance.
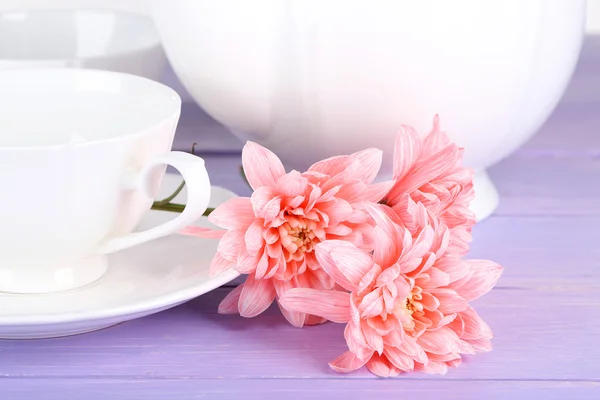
(140, 281)
(82, 153)
(312, 79)
(97, 39)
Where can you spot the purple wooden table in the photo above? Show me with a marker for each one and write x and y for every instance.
(545, 311)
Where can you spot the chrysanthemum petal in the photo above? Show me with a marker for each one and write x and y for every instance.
(380, 366)
(351, 261)
(339, 230)
(291, 185)
(254, 237)
(436, 139)
(388, 235)
(454, 267)
(484, 276)
(474, 326)
(399, 359)
(231, 245)
(450, 301)
(364, 165)
(260, 198)
(295, 318)
(377, 191)
(372, 305)
(314, 195)
(330, 304)
(429, 301)
(437, 278)
(324, 252)
(229, 305)
(261, 166)
(444, 357)
(374, 340)
(220, 264)
(388, 275)
(235, 213)
(432, 367)
(441, 341)
(271, 211)
(246, 262)
(331, 166)
(382, 326)
(202, 232)
(337, 210)
(262, 266)
(422, 244)
(407, 149)
(428, 168)
(256, 296)
(410, 346)
(347, 362)
(480, 345)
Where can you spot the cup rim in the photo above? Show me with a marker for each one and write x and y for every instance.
(149, 29)
(168, 91)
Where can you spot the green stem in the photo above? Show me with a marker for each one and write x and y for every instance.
(174, 207)
(166, 205)
(167, 200)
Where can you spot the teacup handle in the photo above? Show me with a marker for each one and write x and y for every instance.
(196, 178)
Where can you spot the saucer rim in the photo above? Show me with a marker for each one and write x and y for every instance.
(171, 299)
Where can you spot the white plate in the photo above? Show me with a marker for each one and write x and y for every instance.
(140, 281)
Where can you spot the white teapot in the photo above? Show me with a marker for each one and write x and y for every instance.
(314, 78)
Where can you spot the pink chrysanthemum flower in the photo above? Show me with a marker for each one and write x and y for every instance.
(272, 235)
(408, 306)
(429, 171)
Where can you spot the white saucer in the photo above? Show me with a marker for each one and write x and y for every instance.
(140, 281)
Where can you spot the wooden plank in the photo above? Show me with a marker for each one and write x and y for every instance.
(538, 251)
(571, 130)
(330, 389)
(541, 334)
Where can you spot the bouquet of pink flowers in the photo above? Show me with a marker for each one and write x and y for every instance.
(386, 259)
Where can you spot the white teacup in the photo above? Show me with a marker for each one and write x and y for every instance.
(82, 153)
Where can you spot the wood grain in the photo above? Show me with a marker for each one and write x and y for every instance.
(332, 389)
(539, 335)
